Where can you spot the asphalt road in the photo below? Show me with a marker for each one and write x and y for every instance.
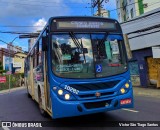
(16, 106)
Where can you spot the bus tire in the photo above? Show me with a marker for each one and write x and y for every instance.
(28, 94)
(42, 111)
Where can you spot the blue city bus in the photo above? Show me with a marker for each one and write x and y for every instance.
(79, 66)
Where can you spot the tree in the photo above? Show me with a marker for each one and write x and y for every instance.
(1, 68)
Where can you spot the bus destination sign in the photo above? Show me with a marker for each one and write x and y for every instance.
(85, 25)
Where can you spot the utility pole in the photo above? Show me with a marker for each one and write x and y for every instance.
(97, 3)
(99, 8)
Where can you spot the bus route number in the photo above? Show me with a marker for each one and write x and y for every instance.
(73, 90)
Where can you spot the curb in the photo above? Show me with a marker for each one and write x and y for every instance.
(146, 92)
(11, 90)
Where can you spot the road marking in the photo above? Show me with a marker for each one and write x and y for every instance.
(129, 110)
(5, 128)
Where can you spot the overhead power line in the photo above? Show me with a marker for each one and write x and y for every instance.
(23, 26)
(95, 3)
(14, 32)
(26, 4)
(55, 2)
(98, 4)
(11, 45)
(11, 54)
(132, 4)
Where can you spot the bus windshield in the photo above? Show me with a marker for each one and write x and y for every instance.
(87, 55)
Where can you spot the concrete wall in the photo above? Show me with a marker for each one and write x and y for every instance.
(152, 4)
(142, 41)
(18, 60)
(140, 56)
(133, 4)
(149, 40)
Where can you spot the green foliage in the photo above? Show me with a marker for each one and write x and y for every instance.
(2, 71)
(22, 75)
(15, 81)
(1, 68)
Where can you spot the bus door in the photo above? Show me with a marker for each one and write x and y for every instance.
(29, 78)
(31, 82)
(46, 83)
(45, 54)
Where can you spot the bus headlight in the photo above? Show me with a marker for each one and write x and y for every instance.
(67, 96)
(63, 94)
(122, 90)
(60, 92)
(125, 88)
(127, 85)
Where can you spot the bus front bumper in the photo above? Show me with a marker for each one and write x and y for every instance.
(62, 108)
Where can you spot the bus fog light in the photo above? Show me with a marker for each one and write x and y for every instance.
(127, 85)
(67, 96)
(123, 90)
(60, 92)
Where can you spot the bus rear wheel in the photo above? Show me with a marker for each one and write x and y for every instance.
(29, 96)
(42, 111)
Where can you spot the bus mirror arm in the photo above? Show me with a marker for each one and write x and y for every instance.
(44, 43)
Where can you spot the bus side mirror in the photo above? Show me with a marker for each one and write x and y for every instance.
(128, 49)
(44, 43)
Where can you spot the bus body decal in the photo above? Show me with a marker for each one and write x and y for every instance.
(73, 90)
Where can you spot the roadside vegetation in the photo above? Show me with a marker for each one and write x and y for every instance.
(16, 80)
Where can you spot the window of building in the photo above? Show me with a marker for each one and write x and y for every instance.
(119, 15)
(131, 13)
(124, 17)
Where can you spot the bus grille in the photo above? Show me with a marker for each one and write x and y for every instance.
(93, 95)
(92, 105)
(95, 86)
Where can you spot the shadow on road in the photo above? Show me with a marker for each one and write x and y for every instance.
(93, 120)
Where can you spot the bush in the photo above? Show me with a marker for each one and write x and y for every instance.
(15, 81)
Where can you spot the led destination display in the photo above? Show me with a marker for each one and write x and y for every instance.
(85, 25)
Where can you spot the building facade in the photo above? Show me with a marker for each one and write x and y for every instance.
(144, 36)
(5, 52)
(11, 47)
(18, 62)
(31, 41)
(12, 61)
(129, 9)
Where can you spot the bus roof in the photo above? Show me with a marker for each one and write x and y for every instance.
(72, 18)
(80, 17)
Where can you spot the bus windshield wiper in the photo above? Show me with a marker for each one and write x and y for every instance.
(75, 40)
(77, 43)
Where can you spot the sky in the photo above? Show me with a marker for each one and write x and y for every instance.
(32, 15)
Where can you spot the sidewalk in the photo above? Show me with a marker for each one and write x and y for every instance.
(11, 90)
(149, 92)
